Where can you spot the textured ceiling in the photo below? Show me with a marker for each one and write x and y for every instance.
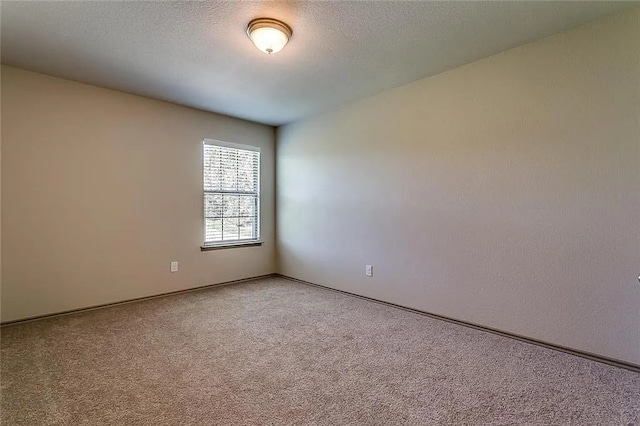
(197, 53)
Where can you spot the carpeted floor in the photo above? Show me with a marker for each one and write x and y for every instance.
(276, 352)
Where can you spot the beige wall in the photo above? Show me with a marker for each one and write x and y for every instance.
(505, 192)
(0, 195)
(101, 190)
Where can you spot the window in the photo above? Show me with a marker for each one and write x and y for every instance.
(231, 193)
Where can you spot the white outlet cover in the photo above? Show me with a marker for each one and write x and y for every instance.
(174, 266)
(368, 270)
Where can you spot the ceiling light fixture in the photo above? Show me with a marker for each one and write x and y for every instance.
(269, 35)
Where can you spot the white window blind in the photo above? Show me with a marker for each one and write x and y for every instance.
(231, 192)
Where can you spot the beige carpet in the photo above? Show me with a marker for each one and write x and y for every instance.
(276, 352)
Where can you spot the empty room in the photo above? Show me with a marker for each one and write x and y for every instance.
(320, 213)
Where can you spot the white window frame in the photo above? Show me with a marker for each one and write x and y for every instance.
(239, 242)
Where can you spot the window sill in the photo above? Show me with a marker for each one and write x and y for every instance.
(230, 245)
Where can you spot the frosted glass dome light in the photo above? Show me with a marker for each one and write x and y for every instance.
(269, 35)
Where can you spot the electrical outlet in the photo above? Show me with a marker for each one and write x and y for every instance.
(174, 266)
(368, 270)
